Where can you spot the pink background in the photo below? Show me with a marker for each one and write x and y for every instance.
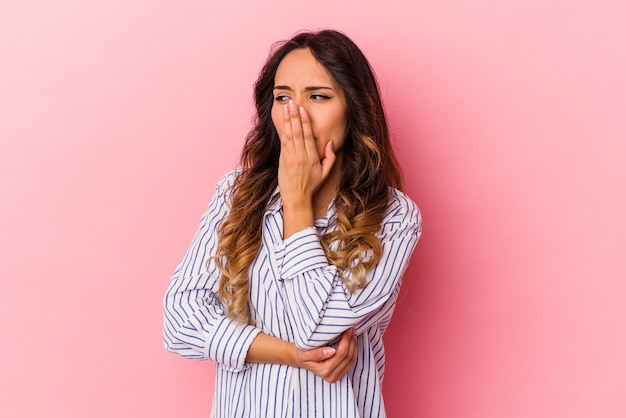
(117, 118)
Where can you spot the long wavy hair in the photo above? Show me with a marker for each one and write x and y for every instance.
(369, 168)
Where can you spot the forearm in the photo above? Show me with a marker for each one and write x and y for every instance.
(272, 350)
(297, 216)
(326, 362)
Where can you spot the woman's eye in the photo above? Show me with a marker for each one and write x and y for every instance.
(319, 97)
(281, 98)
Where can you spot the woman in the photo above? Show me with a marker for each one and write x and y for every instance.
(291, 280)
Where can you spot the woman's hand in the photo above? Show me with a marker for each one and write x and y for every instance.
(300, 171)
(326, 364)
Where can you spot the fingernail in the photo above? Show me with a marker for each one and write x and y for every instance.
(302, 112)
(350, 331)
(328, 351)
(292, 105)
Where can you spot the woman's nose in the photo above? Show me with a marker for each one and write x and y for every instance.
(305, 107)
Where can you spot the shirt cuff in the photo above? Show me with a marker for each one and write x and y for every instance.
(300, 253)
(233, 344)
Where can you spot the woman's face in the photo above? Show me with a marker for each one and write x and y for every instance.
(301, 78)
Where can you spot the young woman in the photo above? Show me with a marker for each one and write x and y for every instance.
(291, 280)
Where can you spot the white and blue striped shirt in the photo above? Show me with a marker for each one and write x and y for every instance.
(297, 296)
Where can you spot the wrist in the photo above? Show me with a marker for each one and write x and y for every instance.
(272, 350)
(300, 205)
(296, 216)
(291, 355)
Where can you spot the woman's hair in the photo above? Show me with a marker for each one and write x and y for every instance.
(369, 168)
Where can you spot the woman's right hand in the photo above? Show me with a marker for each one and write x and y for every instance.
(301, 170)
(326, 363)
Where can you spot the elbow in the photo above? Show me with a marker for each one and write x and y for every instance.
(181, 348)
(308, 339)
(170, 331)
(171, 343)
(176, 342)
(307, 344)
(317, 338)
(179, 335)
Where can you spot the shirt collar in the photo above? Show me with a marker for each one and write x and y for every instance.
(275, 203)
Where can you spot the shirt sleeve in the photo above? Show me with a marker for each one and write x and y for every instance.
(318, 304)
(195, 324)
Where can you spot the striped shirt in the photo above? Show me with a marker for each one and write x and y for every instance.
(297, 296)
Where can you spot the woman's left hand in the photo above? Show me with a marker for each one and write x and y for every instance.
(331, 368)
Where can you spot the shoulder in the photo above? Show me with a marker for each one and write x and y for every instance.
(402, 212)
(225, 184)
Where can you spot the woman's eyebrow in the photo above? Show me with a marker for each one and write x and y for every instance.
(318, 88)
(311, 88)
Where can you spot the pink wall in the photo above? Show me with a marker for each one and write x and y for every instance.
(117, 118)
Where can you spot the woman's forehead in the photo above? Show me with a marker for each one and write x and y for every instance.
(301, 67)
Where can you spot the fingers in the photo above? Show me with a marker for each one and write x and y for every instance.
(295, 124)
(329, 159)
(317, 354)
(297, 130)
(346, 354)
(293, 132)
(307, 133)
(301, 169)
(340, 363)
(350, 357)
(329, 363)
(286, 138)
